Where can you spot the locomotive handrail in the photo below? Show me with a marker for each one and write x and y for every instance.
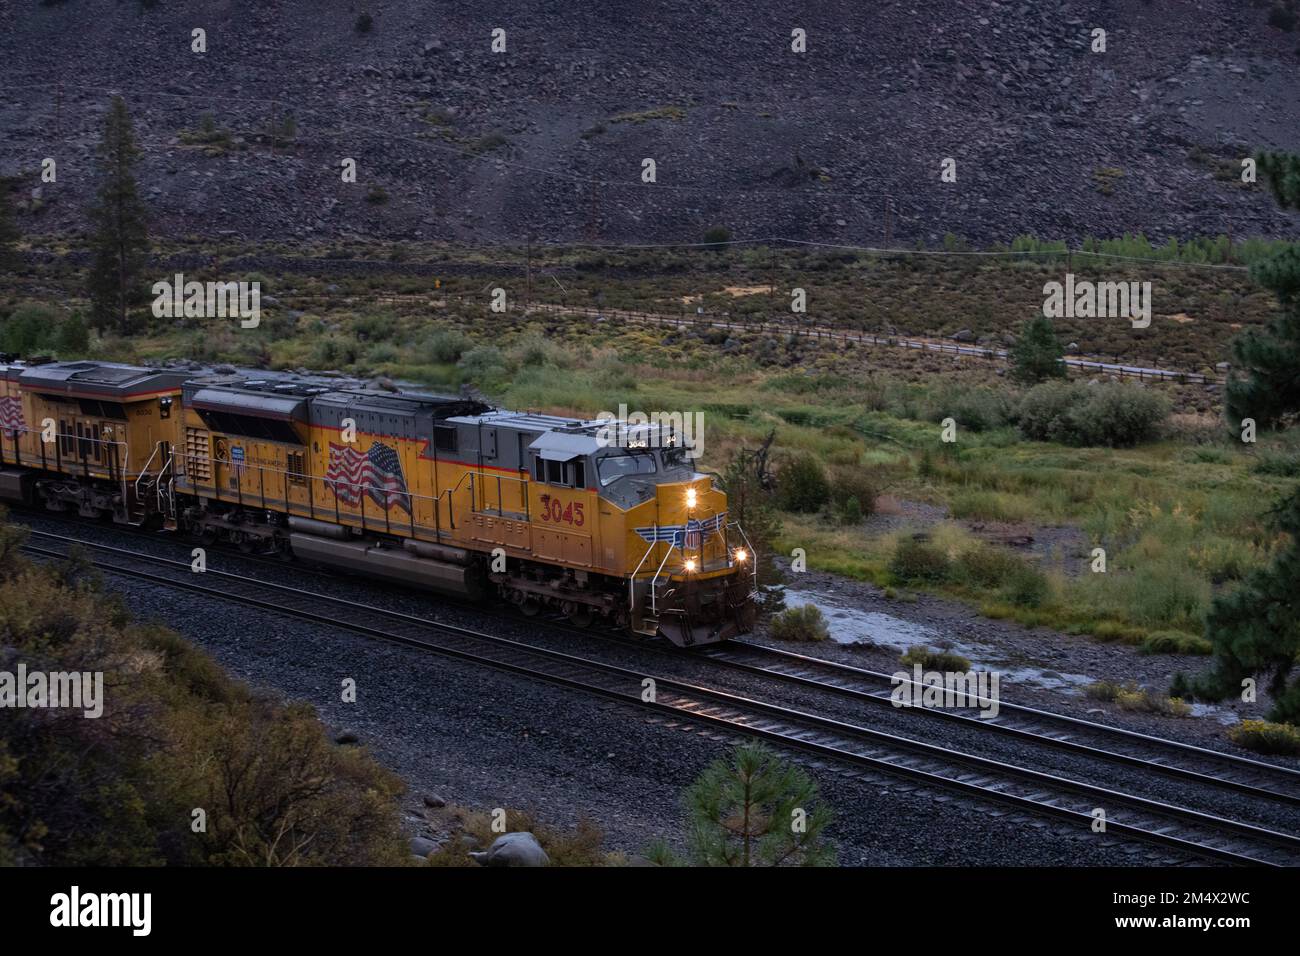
(157, 447)
(672, 546)
(753, 559)
(631, 581)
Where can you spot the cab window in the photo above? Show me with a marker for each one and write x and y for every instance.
(613, 467)
(564, 474)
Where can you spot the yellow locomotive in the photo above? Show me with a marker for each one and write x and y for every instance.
(438, 492)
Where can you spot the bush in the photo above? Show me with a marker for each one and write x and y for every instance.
(935, 660)
(108, 792)
(1109, 414)
(483, 363)
(717, 236)
(364, 23)
(854, 492)
(1266, 738)
(29, 329)
(801, 484)
(446, 345)
(1174, 642)
(1278, 464)
(976, 409)
(803, 623)
(535, 351)
(917, 562)
(1134, 698)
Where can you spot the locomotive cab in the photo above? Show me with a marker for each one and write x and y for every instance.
(691, 570)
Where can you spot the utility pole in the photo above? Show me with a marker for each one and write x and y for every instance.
(887, 222)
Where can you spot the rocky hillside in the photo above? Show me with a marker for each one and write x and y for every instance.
(842, 143)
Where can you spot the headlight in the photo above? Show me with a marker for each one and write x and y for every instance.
(690, 497)
(741, 554)
(690, 565)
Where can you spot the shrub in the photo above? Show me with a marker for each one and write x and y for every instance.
(1109, 414)
(918, 562)
(1026, 586)
(377, 196)
(935, 660)
(1278, 464)
(364, 23)
(1119, 416)
(801, 484)
(854, 492)
(446, 345)
(803, 623)
(1134, 698)
(483, 363)
(977, 409)
(100, 792)
(1174, 642)
(717, 236)
(29, 329)
(534, 350)
(1266, 738)
(73, 337)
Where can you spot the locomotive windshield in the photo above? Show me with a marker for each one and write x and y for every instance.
(614, 467)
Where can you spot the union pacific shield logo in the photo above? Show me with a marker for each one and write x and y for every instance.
(691, 535)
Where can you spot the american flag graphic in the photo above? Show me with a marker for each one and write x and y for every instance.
(377, 472)
(11, 415)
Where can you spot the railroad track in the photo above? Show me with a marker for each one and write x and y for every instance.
(1201, 765)
(860, 750)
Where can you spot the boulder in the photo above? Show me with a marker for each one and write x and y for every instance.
(422, 846)
(513, 849)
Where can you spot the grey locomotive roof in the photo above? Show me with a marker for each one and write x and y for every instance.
(561, 446)
(250, 403)
(100, 378)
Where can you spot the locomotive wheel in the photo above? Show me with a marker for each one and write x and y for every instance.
(530, 607)
(582, 617)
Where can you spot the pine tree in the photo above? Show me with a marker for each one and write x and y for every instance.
(1255, 630)
(8, 231)
(755, 809)
(119, 226)
(1037, 354)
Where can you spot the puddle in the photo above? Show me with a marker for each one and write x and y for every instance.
(849, 625)
(1047, 679)
(1225, 717)
(853, 626)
